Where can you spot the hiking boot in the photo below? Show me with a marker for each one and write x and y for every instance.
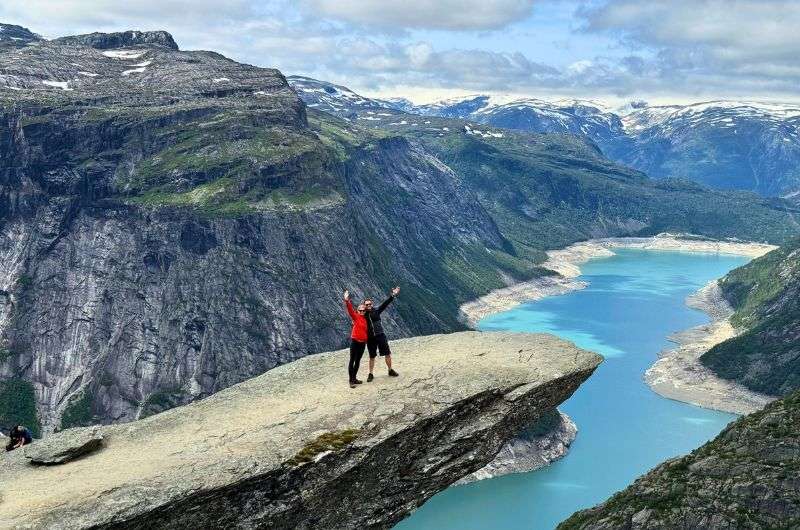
(392, 373)
(352, 385)
(357, 381)
(370, 377)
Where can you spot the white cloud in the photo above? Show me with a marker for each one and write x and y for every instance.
(729, 37)
(702, 48)
(55, 18)
(430, 14)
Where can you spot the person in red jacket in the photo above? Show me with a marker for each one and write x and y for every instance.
(358, 338)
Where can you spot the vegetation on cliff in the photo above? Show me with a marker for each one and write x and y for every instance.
(18, 405)
(766, 296)
(745, 478)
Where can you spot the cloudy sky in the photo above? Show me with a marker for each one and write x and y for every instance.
(614, 50)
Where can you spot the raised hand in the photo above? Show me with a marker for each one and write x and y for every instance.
(346, 294)
(395, 291)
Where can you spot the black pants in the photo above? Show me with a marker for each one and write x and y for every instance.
(356, 351)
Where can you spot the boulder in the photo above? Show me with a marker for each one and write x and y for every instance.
(64, 446)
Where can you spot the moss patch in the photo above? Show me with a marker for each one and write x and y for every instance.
(79, 411)
(161, 401)
(5, 354)
(330, 441)
(18, 405)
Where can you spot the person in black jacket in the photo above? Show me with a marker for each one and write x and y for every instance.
(376, 338)
(19, 436)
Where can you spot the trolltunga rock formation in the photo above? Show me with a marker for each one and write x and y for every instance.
(297, 448)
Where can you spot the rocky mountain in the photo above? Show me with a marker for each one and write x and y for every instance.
(585, 118)
(173, 222)
(336, 99)
(723, 144)
(765, 356)
(746, 478)
(726, 145)
(105, 41)
(12, 36)
(172, 225)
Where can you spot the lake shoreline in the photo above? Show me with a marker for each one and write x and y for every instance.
(678, 373)
(529, 452)
(566, 262)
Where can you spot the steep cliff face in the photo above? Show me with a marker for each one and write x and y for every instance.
(765, 293)
(296, 448)
(746, 478)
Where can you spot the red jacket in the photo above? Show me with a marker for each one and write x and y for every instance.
(359, 332)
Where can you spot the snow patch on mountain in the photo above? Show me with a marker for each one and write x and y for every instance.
(124, 54)
(63, 85)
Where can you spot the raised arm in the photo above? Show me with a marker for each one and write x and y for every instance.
(349, 305)
(385, 303)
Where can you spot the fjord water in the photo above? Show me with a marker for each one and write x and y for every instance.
(634, 300)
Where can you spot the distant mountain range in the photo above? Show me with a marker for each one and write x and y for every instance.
(724, 144)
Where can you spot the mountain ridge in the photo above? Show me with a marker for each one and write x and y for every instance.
(745, 478)
(725, 144)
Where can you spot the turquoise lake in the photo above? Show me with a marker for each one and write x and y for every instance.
(634, 300)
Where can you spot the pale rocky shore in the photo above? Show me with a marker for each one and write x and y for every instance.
(678, 374)
(566, 263)
(540, 445)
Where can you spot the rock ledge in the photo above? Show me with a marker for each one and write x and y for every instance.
(296, 448)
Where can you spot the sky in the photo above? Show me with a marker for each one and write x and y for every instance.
(661, 51)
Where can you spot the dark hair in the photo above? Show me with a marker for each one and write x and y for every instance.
(13, 430)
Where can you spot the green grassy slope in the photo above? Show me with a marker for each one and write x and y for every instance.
(766, 295)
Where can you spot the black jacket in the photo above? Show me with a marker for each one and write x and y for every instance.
(374, 326)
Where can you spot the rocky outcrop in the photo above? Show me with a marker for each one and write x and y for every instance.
(746, 478)
(13, 36)
(64, 447)
(297, 448)
(122, 39)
